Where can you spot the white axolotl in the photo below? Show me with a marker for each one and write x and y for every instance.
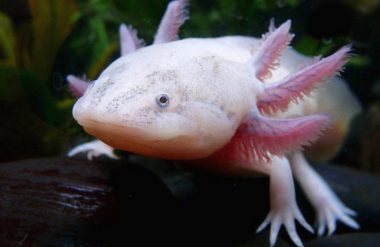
(229, 104)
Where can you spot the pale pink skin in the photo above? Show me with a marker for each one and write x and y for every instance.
(261, 141)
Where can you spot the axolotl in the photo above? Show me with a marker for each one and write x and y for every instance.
(236, 105)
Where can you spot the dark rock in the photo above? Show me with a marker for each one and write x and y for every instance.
(347, 240)
(140, 202)
(44, 200)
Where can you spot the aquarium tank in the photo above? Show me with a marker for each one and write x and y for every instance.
(132, 193)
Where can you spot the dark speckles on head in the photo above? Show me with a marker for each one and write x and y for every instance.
(101, 92)
(162, 76)
(208, 62)
(216, 67)
(123, 99)
(229, 114)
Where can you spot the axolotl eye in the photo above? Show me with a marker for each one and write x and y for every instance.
(162, 100)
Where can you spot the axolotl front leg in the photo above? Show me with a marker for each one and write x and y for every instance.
(249, 150)
(283, 206)
(328, 206)
(175, 15)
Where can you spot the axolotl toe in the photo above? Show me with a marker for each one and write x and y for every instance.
(237, 105)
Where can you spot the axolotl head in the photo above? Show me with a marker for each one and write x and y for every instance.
(170, 101)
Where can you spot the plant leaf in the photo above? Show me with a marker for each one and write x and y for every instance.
(52, 21)
(7, 41)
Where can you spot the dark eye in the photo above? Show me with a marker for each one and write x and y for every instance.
(162, 100)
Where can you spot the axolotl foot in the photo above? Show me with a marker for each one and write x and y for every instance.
(93, 149)
(285, 216)
(328, 206)
(331, 210)
(284, 209)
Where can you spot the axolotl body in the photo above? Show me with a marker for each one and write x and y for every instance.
(231, 105)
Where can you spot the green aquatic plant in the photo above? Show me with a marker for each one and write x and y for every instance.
(28, 47)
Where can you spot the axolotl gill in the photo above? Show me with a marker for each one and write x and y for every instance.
(237, 105)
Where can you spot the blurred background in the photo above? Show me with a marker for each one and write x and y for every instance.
(42, 41)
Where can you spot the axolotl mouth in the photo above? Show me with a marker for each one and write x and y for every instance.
(138, 140)
(125, 138)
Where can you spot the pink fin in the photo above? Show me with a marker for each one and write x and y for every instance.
(277, 96)
(259, 137)
(176, 14)
(77, 86)
(129, 42)
(266, 57)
